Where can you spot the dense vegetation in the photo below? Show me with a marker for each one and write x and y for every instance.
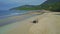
(53, 5)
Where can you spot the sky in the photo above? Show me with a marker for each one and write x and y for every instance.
(7, 4)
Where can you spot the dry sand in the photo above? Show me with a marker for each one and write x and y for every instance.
(48, 23)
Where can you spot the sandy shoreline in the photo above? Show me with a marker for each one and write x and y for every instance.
(15, 19)
(48, 23)
(19, 24)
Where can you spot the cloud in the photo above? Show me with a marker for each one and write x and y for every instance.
(14, 3)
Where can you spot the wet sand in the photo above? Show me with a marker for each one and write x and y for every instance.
(18, 27)
(17, 18)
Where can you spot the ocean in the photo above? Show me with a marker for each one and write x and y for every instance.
(8, 13)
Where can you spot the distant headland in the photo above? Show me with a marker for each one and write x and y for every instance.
(52, 5)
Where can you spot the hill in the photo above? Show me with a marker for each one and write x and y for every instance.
(24, 7)
(53, 5)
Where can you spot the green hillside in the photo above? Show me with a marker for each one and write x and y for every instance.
(53, 5)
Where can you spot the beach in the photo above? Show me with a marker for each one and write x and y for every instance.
(48, 23)
(16, 18)
(14, 21)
